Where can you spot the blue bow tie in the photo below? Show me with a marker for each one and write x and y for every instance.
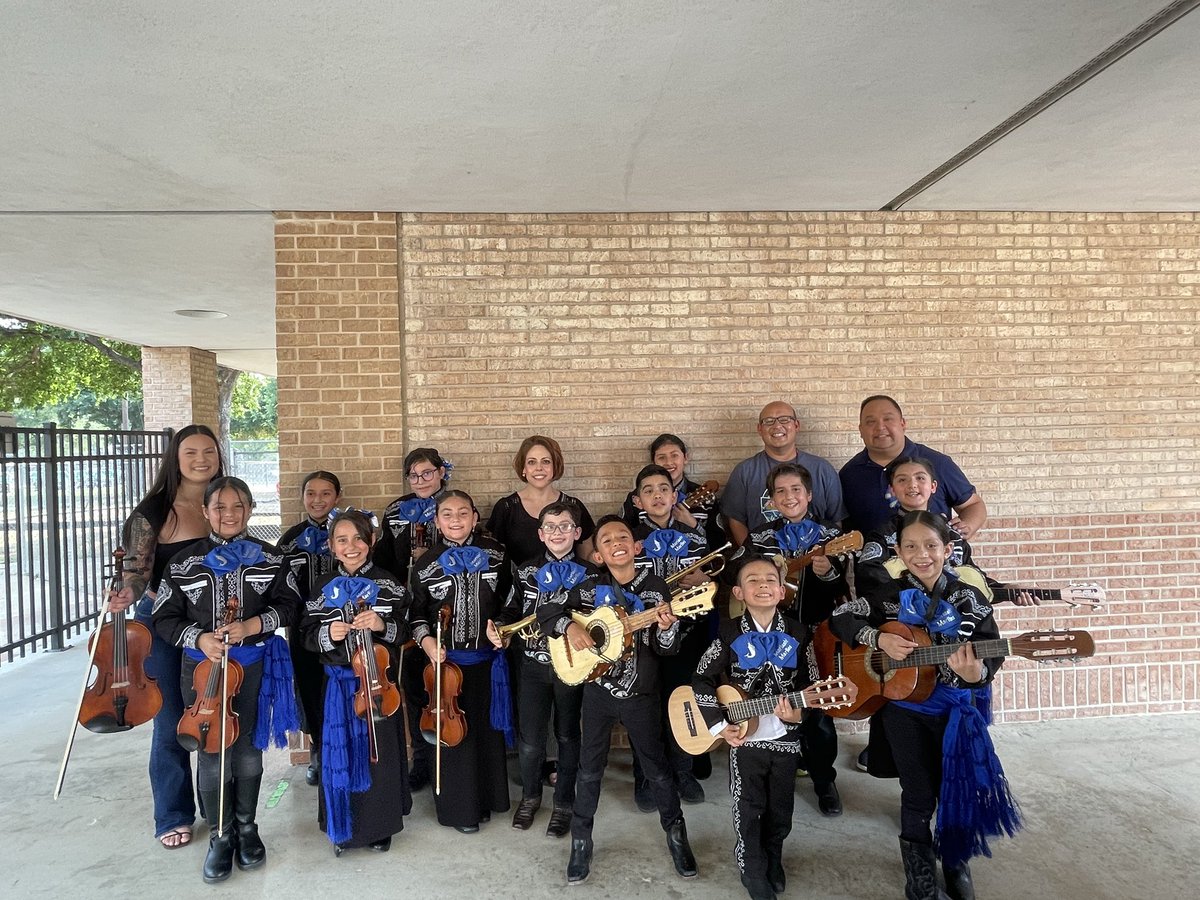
(313, 540)
(347, 589)
(666, 542)
(627, 600)
(559, 575)
(457, 560)
(798, 537)
(914, 609)
(233, 555)
(418, 510)
(756, 648)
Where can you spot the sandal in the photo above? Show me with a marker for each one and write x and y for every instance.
(176, 838)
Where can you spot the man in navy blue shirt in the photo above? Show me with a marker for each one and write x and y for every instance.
(864, 485)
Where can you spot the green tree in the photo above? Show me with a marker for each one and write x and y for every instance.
(42, 365)
(253, 408)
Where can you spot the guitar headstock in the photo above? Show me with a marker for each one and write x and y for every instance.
(1048, 646)
(702, 497)
(844, 543)
(1079, 593)
(695, 601)
(832, 693)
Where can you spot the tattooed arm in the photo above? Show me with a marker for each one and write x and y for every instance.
(140, 543)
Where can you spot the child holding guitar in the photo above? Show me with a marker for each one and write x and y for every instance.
(627, 690)
(944, 733)
(818, 586)
(765, 655)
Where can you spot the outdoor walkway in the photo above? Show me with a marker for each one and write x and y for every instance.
(1112, 809)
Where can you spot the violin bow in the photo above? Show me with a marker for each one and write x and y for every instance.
(119, 553)
(231, 608)
(437, 725)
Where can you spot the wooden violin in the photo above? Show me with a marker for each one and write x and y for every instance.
(210, 724)
(120, 695)
(376, 696)
(442, 721)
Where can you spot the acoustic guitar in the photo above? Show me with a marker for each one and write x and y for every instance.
(693, 736)
(702, 497)
(880, 678)
(1075, 594)
(612, 629)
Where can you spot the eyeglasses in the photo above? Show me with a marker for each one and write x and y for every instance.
(768, 421)
(564, 528)
(421, 477)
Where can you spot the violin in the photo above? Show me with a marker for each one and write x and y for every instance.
(216, 684)
(420, 536)
(121, 695)
(376, 696)
(443, 724)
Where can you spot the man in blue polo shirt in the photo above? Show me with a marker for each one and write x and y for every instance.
(745, 502)
(864, 485)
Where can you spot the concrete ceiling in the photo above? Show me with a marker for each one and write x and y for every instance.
(226, 111)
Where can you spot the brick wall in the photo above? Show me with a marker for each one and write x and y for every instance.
(179, 387)
(1053, 354)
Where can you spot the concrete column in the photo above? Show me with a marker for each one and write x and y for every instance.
(179, 387)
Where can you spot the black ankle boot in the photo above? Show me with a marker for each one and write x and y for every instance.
(312, 775)
(920, 872)
(250, 850)
(218, 862)
(681, 850)
(958, 882)
(776, 877)
(580, 865)
(758, 888)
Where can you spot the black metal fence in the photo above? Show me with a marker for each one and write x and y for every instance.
(64, 495)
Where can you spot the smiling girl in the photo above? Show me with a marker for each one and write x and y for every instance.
(362, 803)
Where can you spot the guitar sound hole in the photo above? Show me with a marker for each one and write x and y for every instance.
(600, 635)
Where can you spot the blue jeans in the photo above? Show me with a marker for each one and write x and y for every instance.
(170, 764)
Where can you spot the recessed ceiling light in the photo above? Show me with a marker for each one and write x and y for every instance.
(201, 313)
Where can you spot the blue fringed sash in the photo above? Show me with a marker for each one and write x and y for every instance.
(345, 753)
(975, 801)
(501, 713)
(276, 714)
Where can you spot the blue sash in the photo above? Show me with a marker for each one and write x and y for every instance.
(276, 714)
(914, 610)
(467, 559)
(756, 648)
(796, 538)
(975, 802)
(345, 753)
(501, 713)
(418, 510)
(559, 575)
(313, 540)
(233, 555)
(606, 595)
(664, 542)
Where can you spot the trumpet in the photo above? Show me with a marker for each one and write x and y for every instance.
(715, 563)
(526, 628)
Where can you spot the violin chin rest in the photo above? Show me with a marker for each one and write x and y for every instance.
(105, 725)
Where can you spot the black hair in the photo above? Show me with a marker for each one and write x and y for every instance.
(788, 469)
(933, 521)
(228, 481)
(455, 495)
(423, 454)
(889, 471)
(648, 471)
(662, 440)
(157, 505)
(322, 475)
(609, 520)
(559, 508)
(362, 525)
(875, 397)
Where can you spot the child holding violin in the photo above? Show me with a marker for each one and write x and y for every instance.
(939, 748)
(408, 532)
(818, 587)
(460, 573)
(226, 597)
(364, 784)
(307, 544)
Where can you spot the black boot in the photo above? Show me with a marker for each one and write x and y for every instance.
(681, 850)
(776, 877)
(920, 872)
(580, 865)
(218, 862)
(758, 888)
(312, 775)
(250, 850)
(958, 882)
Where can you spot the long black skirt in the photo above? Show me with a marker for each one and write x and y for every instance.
(474, 774)
(379, 811)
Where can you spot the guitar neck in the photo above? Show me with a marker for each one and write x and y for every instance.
(762, 706)
(937, 654)
(1042, 595)
(646, 617)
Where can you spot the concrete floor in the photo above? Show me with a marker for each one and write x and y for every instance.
(1112, 809)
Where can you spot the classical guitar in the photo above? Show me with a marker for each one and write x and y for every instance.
(1075, 594)
(612, 629)
(693, 736)
(702, 497)
(842, 544)
(881, 678)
